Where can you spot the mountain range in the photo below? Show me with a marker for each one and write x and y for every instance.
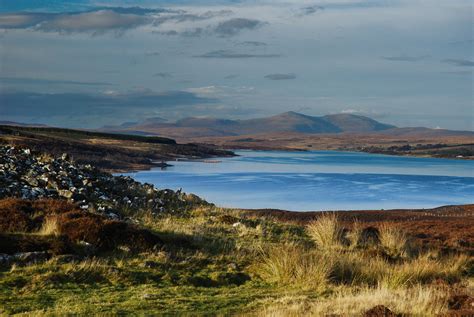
(288, 122)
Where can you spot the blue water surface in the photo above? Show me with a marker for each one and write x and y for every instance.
(321, 180)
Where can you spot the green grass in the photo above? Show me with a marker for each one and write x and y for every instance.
(217, 261)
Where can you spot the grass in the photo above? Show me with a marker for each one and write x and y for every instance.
(414, 301)
(50, 227)
(291, 265)
(214, 260)
(394, 240)
(326, 232)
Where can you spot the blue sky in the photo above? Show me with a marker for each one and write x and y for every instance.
(94, 63)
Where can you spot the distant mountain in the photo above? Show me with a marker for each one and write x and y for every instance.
(290, 122)
(353, 123)
(287, 122)
(18, 124)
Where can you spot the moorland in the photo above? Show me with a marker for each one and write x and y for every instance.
(76, 240)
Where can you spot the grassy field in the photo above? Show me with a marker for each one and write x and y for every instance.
(222, 261)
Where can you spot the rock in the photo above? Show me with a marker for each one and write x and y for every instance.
(111, 215)
(31, 257)
(29, 176)
(65, 193)
(5, 259)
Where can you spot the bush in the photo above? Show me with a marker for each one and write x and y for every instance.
(19, 215)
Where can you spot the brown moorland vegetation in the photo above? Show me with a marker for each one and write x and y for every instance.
(413, 142)
(23, 229)
(446, 228)
(106, 151)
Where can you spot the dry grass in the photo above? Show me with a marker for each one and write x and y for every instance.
(291, 265)
(354, 235)
(326, 232)
(50, 227)
(394, 240)
(334, 263)
(417, 301)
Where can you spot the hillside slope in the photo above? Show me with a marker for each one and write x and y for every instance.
(107, 151)
(289, 122)
(353, 123)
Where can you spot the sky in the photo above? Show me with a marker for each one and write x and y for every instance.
(86, 63)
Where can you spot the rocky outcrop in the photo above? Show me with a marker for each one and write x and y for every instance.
(29, 175)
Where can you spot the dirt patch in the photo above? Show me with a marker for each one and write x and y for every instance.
(380, 311)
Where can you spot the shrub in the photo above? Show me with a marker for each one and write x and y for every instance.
(104, 234)
(19, 215)
(15, 221)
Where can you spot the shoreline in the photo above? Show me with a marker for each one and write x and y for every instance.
(286, 149)
(167, 162)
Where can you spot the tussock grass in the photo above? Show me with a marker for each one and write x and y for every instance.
(292, 265)
(50, 227)
(394, 240)
(326, 232)
(354, 235)
(390, 265)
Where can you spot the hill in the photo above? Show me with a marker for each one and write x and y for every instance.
(107, 151)
(354, 123)
(285, 122)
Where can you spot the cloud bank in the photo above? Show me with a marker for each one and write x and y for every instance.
(94, 110)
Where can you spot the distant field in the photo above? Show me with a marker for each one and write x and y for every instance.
(432, 144)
